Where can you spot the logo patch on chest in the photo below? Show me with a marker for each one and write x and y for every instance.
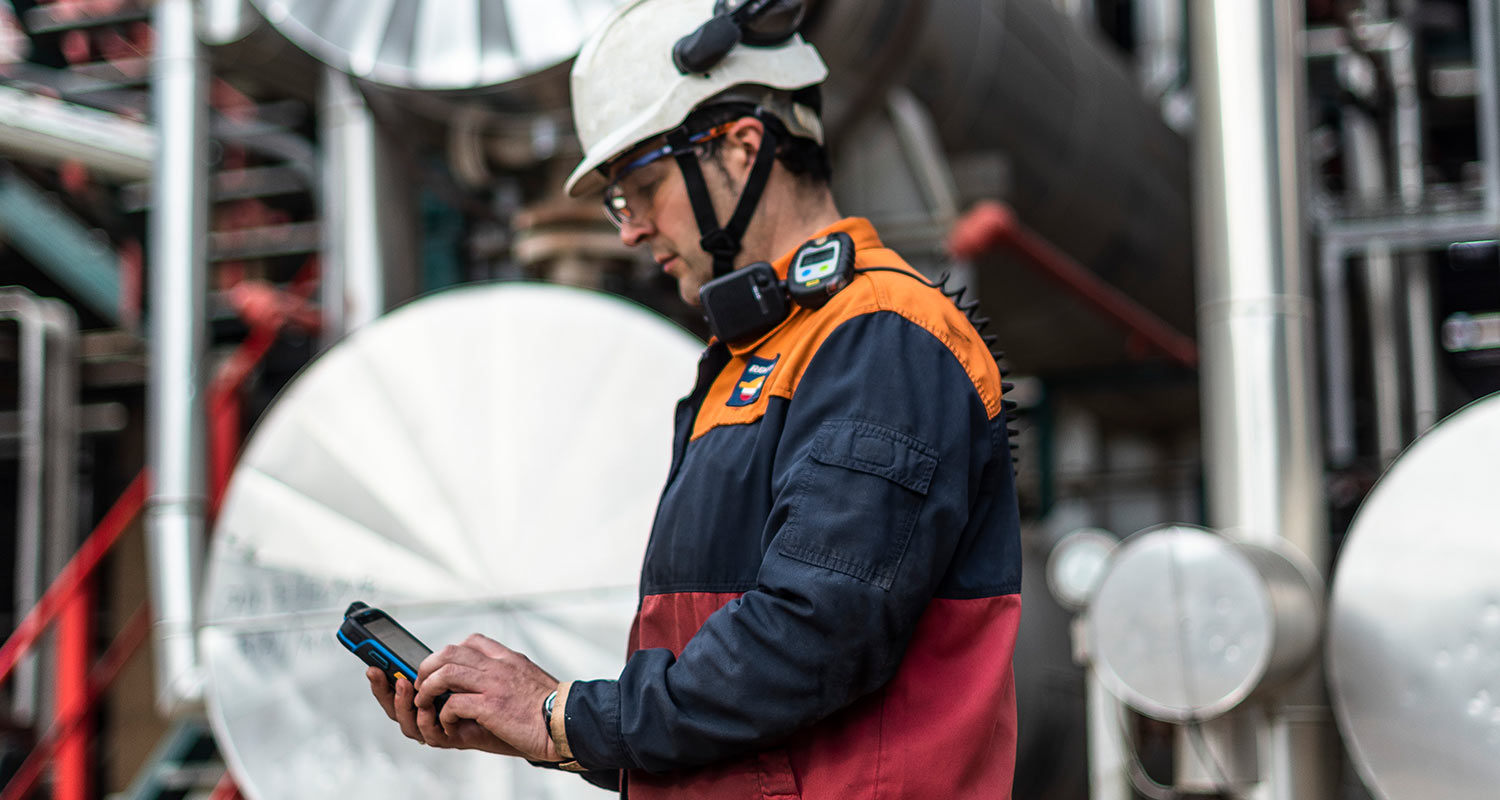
(752, 381)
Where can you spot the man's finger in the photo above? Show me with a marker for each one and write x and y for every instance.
(486, 646)
(432, 732)
(456, 678)
(406, 711)
(452, 654)
(459, 721)
(381, 689)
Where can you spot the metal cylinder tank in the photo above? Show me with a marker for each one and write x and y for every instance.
(1033, 109)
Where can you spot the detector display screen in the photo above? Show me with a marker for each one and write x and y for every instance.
(404, 645)
(815, 265)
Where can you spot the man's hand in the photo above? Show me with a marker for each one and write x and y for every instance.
(465, 734)
(493, 686)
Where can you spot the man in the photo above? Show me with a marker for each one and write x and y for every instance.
(829, 598)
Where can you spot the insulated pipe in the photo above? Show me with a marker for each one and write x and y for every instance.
(1095, 168)
(178, 282)
(1262, 460)
(368, 264)
(46, 130)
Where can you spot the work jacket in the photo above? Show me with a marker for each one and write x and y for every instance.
(830, 595)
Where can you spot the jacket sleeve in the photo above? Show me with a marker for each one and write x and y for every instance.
(886, 443)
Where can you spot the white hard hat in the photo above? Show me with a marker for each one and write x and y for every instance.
(626, 88)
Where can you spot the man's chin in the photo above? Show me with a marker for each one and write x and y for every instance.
(689, 294)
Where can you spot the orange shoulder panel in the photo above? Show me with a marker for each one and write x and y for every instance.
(793, 344)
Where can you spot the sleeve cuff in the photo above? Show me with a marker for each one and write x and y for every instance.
(586, 724)
(559, 729)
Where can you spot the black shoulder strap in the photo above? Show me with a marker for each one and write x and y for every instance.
(723, 243)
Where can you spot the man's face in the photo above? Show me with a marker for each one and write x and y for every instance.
(661, 217)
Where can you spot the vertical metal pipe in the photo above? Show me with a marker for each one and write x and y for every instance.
(45, 533)
(1109, 748)
(1264, 469)
(20, 306)
(1381, 305)
(1422, 355)
(60, 461)
(1408, 96)
(178, 282)
(1369, 184)
(1483, 20)
(1422, 329)
(1338, 363)
(1158, 33)
(354, 264)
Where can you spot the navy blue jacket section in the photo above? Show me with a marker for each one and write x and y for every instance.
(880, 484)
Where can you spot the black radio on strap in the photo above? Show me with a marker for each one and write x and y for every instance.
(723, 243)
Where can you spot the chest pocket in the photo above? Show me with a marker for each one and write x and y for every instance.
(856, 499)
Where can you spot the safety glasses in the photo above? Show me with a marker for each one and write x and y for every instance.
(619, 203)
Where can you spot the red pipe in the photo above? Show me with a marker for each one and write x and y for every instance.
(72, 774)
(991, 224)
(79, 569)
(267, 310)
(103, 674)
(226, 789)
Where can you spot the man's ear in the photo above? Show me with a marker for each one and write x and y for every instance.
(741, 144)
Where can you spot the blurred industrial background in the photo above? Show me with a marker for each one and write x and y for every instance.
(1241, 255)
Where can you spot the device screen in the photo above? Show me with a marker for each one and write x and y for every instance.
(404, 645)
(817, 264)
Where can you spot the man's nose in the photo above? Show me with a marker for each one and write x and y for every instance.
(635, 231)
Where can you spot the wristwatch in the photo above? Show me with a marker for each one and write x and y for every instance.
(569, 763)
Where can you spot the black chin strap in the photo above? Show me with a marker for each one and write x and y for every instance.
(723, 243)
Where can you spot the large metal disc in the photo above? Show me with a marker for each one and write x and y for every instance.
(438, 44)
(487, 459)
(1414, 629)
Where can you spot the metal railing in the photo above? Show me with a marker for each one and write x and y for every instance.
(75, 580)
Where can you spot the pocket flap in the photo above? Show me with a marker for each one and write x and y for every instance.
(875, 449)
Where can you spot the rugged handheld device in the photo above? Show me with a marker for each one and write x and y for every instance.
(381, 642)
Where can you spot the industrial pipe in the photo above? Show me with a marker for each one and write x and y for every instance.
(991, 224)
(45, 501)
(20, 306)
(368, 257)
(48, 131)
(1409, 233)
(1262, 459)
(178, 281)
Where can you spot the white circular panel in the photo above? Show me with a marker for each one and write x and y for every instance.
(438, 44)
(487, 459)
(1414, 626)
(1181, 624)
(1077, 564)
